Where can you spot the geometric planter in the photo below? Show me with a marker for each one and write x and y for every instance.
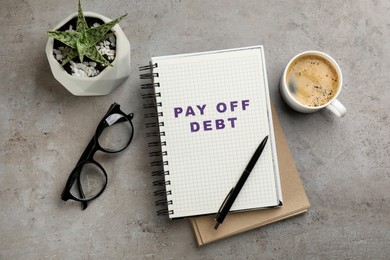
(108, 79)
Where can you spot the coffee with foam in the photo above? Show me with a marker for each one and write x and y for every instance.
(312, 80)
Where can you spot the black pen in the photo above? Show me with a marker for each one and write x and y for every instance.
(232, 195)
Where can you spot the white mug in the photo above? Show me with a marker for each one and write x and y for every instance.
(333, 105)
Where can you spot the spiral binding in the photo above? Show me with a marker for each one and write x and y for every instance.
(161, 183)
(153, 115)
(149, 76)
(163, 202)
(164, 212)
(159, 163)
(150, 85)
(155, 134)
(153, 105)
(160, 173)
(158, 143)
(162, 192)
(159, 153)
(154, 124)
(151, 97)
(148, 67)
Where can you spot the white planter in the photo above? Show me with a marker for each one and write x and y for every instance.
(108, 79)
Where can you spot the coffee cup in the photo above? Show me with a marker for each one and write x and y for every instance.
(312, 81)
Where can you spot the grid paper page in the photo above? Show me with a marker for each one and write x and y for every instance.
(215, 116)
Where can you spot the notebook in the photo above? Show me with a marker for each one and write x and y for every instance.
(295, 201)
(212, 111)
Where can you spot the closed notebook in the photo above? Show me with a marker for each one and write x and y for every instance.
(295, 201)
(212, 111)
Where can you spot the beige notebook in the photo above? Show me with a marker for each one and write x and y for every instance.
(295, 201)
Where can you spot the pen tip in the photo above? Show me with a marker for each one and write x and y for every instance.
(216, 225)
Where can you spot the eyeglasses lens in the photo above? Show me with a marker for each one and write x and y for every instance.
(117, 135)
(92, 180)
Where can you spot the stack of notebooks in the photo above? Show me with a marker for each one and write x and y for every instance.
(208, 113)
(295, 201)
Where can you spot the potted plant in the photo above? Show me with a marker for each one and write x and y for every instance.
(89, 53)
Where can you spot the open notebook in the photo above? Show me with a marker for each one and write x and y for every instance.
(213, 110)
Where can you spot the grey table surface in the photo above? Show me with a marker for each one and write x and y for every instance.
(343, 163)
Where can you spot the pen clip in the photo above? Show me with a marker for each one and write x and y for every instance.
(224, 202)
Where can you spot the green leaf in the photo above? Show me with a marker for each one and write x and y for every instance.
(68, 38)
(96, 34)
(71, 55)
(81, 22)
(82, 45)
(95, 55)
(108, 35)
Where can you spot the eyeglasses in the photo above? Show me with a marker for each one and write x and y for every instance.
(113, 134)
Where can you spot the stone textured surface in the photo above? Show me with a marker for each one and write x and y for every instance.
(344, 163)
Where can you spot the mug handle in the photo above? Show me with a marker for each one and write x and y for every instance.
(337, 108)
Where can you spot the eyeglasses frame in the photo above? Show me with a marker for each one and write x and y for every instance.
(87, 157)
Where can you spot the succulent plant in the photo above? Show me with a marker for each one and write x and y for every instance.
(83, 41)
